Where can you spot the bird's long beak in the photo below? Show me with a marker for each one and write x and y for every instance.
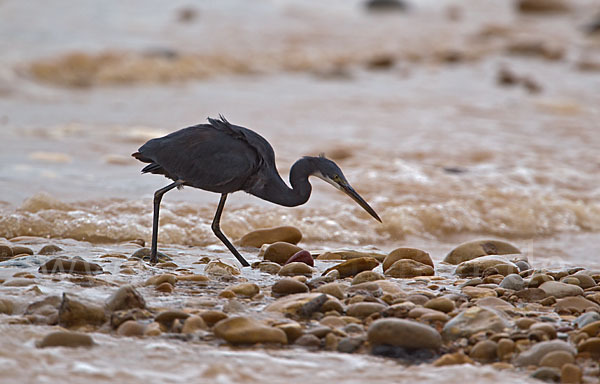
(348, 190)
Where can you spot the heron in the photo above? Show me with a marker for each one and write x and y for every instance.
(224, 158)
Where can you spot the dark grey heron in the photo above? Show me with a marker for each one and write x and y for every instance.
(223, 158)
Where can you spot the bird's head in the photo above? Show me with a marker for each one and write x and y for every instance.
(329, 171)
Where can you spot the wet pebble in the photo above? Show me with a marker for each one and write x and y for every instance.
(259, 237)
(350, 344)
(455, 358)
(219, 268)
(6, 252)
(59, 265)
(353, 266)
(165, 287)
(407, 253)
(168, 317)
(474, 320)
(211, 317)
(349, 255)
(556, 359)
(296, 269)
(334, 289)
(269, 267)
(193, 324)
(66, 339)
(364, 309)
(575, 304)
(245, 289)
(301, 257)
(145, 254)
(588, 318)
(534, 355)
(247, 330)
(406, 268)
(124, 298)
(366, 276)
(157, 280)
(542, 6)
(287, 286)
(18, 282)
(21, 250)
(77, 312)
(559, 290)
(479, 292)
(403, 333)
(571, 374)
(547, 374)
(309, 341)
(591, 346)
(473, 249)
(477, 266)
(442, 304)
(131, 328)
(512, 281)
(292, 330)
(6, 306)
(280, 252)
(485, 351)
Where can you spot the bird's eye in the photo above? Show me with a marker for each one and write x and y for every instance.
(337, 178)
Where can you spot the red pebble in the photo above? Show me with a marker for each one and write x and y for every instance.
(302, 257)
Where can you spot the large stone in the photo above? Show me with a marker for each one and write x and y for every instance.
(124, 298)
(474, 320)
(259, 237)
(560, 290)
(575, 303)
(131, 328)
(76, 312)
(66, 339)
(534, 355)
(407, 268)
(473, 249)
(353, 266)
(475, 267)
(246, 330)
(77, 266)
(403, 333)
(407, 253)
(280, 252)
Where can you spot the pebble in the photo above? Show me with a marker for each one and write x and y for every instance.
(288, 286)
(477, 266)
(473, 249)
(50, 249)
(6, 252)
(407, 253)
(548, 374)
(407, 268)
(131, 328)
(302, 257)
(531, 294)
(456, 358)
(245, 289)
(588, 318)
(556, 359)
(364, 309)
(58, 265)
(494, 302)
(403, 333)
(477, 292)
(591, 346)
(485, 351)
(292, 330)
(66, 339)
(575, 303)
(559, 290)
(538, 279)
(165, 288)
(296, 269)
(546, 328)
(348, 255)
(247, 330)
(192, 324)
(512, 281)
(21, 250)
(193, 278)
(585, 281)
(442, 304)
(571, 374)
(259, 237)
(124, 298)
(350, 344)
(157, 280)
(309, 341)
(280, 252)
(18, 282)
(145, 255)
(505, 350)
(269, 267)
(334, 289)
(474, 320)
(6, 306)
(353, 266)
(534, 355)
(292, 304)
(366, 276)
(332, 322)
(168, 317)
(76, 312)
(211, 317)
(219, 268)
(152, 330)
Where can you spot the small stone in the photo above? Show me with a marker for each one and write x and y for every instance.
(168, 317)
(477, 292)
(288, 286)
(211, 317)
(512, 281)
(531, 294)
(477, 266)
(575, 303)
(6, 306)
(474, 320)
(556, 359)
(280, 252)
(292, 330)
(21, 250)
(571, 374)
(296, 269)
(192, 324)
(559, 290)
(334, 289)
(131, 328)
(165, 287)
(245, 289)
(364, 309)
(146, 253)
(455, 358)
(407, 253)
(588, 318)
(246, 330)
(219, 268)
(403, 333)
(366, 276)
(534, 355)
(259, 237)
(332, 322)
(585, 281)
(591, 345)
(70, 266)
(350, 344)
(6, 252)
(548, 374)
(473, 249)
(66, 339)
(152, 330)
(524, 322)
(494, 302)
(198, 279)
(538, 279)
(546, 328)
(301, 257)
(442, 304)
(407, 268)
(269, 267)
(309, 341)
(505, 350)
(124, 298)
(293, 304)
(226, 294)
(75, 312)
(349, 255)
(18, 282)
(162, 278)
(353, 266)
(485, 351)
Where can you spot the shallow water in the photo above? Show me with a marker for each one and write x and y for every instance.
(441, 151)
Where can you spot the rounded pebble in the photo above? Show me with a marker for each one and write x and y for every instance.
(259, 237)
(66, 339)
(403, 333)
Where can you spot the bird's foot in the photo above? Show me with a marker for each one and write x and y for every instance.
(145, 254)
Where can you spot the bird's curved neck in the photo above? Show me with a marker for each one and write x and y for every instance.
(277, 191)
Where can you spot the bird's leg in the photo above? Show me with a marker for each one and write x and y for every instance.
(157, 198)
(217, 231)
